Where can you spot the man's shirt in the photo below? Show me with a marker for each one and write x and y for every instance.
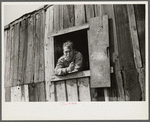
(62, 64)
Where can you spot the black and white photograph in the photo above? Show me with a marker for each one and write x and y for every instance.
(67, 54)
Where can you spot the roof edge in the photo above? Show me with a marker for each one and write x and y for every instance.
(26, 15)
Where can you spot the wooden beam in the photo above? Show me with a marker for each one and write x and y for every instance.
(56, 18)
(71, 76)
(41, 49)
(7, 61)
(20, 93)
(79, 14)
(120, 87)
(98, 43)
(21, 50)
(72, 90)
(12, 56)
(141, 78)
(89, 11)
(16, 53)
(37, 47)
(24, 63)
(60, 91)
(69, 30)
(106, 94)
(140, 25)
(30, 52)
(134, 36)
(69, 18)
(7, 94)
(84, 89)
(49, 55)
(41, 92)
(125, 48)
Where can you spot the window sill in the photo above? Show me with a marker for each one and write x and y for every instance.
(74, 75)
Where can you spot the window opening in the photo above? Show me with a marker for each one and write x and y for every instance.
(80, 40)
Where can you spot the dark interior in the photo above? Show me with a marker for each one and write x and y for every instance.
(79, 38)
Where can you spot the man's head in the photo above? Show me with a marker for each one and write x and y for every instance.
(68, 50)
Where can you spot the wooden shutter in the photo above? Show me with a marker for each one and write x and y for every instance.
(98, 41)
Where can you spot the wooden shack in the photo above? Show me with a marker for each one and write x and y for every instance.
(110, 37)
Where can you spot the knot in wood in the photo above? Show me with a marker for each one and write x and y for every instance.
(84, 83)
(33, 84)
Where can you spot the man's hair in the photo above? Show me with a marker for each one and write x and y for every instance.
(68, 44)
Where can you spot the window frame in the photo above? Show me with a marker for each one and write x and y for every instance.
(79, 74)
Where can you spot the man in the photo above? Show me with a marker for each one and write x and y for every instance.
(71, 61)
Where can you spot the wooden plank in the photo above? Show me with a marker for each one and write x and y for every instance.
(21, 51)
(120, 88)
(72, 91)
(16, 94)
(61, 17)
(68, 16)
(106, 94)
(41, 92)
(30, 52)
(5, 47)
(25, 51)
(12, 56)
(134, 36)
(16, 53)
(140, 23)
(70, 29)
(84, 89)
(46, 53)
(79, 14)
(131, 85)
(113, 91)
(7, 94)
(123, 39)
(114, 60)
(60, 91)
(89, 12)
(6, 53)
(37, 47)
(98, 10)
(49, 55)
(41, 41)
(141, 72)
(50, 91)
(33, 92)
(71, 76)
(106, 9)
(19, 93)
(58, 17)
(98, 41)
(7, 83)
(24, 93)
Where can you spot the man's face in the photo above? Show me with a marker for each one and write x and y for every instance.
(68, 53)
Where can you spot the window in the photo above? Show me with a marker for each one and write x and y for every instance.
(80, 40)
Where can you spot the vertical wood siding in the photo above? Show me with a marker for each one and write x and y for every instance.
(16, 55)
(29, 49)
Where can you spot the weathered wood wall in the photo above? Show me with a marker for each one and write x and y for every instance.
(28, 45)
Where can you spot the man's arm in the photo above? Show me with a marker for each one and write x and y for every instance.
(60, 70)
(78, 62)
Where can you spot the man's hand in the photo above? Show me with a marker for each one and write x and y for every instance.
(71, 67)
